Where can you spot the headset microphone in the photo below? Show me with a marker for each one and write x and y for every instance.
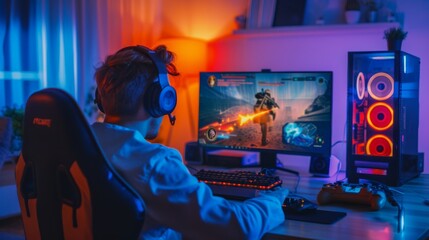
(172, 119)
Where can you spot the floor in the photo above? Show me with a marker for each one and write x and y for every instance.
(10, 226)
(11, 229)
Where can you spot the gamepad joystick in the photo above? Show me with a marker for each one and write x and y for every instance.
(352, 193)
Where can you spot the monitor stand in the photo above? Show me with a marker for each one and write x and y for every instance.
(231, 158)
(268, 160)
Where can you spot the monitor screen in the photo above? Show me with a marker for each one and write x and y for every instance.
(268, 112)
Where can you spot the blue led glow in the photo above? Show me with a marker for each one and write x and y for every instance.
(383, 57)
(19, 75)
(62, 62)
(139, 205)
(401, 221)
(405, 63)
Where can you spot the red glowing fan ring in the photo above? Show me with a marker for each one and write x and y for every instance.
(373, 116)
(379, 145)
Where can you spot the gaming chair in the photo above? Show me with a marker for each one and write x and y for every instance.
(66, 188)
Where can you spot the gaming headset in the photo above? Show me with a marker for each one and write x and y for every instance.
(159, 98)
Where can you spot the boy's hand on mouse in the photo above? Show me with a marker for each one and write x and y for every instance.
(278, 192)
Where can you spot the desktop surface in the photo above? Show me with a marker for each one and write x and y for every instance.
(360, 222)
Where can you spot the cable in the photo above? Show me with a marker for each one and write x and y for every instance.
(339, 161)
(338, 171)
(270, 171)
(392, 200)
(344, 137)
(339, 141)
(279, 166)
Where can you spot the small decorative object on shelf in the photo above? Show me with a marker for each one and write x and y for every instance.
(240, 21)
(394, 37)
(371, 10)
(320, 21)
(352, 11)
(391, 17)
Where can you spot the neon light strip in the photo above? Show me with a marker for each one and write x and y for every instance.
(383, 57)
(405, 63)
(370, 164)
(372, 171)
(256, 186)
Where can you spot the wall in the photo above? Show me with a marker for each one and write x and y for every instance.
(415, 22)
(325, 48)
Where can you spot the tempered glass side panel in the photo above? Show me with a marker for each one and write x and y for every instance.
(409, 66)
(373, 100)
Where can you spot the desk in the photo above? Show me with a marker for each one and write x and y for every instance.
(360, 222)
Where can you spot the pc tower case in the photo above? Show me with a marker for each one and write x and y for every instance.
(383, 117)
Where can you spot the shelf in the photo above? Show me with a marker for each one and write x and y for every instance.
(317, 29)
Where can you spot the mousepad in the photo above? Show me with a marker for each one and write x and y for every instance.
(317, 216)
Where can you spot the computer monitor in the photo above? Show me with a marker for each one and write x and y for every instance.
(267, 112)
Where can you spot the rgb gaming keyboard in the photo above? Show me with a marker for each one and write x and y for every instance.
(237, 184)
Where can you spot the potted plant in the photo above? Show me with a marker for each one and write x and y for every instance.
(16, 114)
(394, 37)
(371, 8)
(352, 11)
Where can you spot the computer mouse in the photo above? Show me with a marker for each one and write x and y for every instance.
(296, 204)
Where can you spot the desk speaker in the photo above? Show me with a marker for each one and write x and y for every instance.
(324, 166)
(193, 153)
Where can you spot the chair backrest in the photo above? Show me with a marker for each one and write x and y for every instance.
(66, 188)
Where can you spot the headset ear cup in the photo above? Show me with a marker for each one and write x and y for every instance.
(159, 102)
(97, 101)
(167, 100)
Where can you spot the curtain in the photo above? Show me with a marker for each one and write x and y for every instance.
(58, 43)
(18, 71)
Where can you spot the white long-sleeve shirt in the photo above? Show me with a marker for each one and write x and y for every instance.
(177, 205)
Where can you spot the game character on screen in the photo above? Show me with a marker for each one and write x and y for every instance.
(134, 93)
(265, 104)
(211, 81)
(211, 134)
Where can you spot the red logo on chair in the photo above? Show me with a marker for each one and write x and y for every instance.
(42, 122)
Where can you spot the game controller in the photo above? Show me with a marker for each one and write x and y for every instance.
(340, 192)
